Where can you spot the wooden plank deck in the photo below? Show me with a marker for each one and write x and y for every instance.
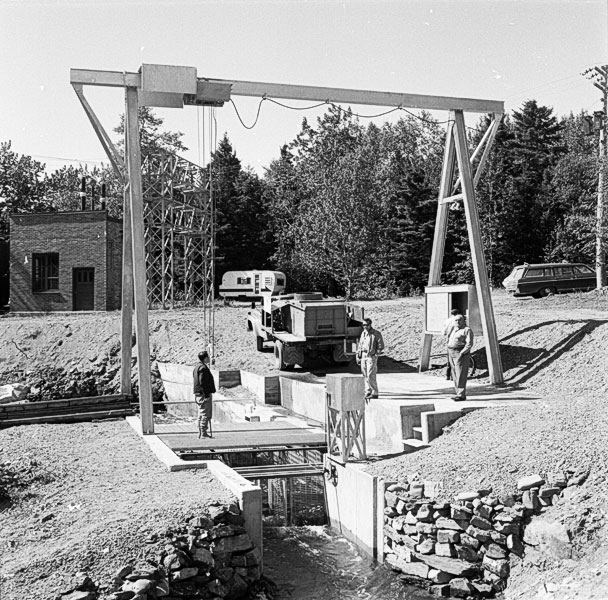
(241, 436)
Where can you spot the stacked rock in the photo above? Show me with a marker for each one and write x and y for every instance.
(210, 556)
(57, 383)
(460, 548)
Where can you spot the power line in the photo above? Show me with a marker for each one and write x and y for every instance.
(75, 160)
(334, 105)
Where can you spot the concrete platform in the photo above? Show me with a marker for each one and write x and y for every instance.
(421, 387)
(410, 404)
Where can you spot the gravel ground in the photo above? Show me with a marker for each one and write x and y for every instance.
(84, 498)
(554, 346)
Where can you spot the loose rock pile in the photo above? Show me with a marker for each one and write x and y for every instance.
(463, 548)
(75, 381)
(210, 556)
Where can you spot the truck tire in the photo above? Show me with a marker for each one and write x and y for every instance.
(278, 356)
(259, 343)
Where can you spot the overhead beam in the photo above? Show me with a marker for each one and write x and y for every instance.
(105, 78)
(284, 91)
(350, 96)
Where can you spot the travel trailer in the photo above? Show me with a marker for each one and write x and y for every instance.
(252, 285)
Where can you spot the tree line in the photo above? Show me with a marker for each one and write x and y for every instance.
(349, 208)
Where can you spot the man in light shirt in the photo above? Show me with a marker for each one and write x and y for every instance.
(460, 342)
(448, 327)
(369, 347)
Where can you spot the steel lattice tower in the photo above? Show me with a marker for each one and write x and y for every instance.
(178, 232)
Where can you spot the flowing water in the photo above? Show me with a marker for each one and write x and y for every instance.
(312, 563)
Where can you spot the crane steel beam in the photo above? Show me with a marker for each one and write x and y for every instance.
(351, 96)
(286, 91)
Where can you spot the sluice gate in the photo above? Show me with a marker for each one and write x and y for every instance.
(283, 459)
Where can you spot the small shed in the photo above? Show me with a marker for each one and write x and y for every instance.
(65, 261)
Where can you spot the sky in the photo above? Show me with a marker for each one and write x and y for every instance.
(508, 50)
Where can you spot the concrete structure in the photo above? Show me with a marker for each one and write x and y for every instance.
(65, 261)
(249, 496)
(412, 409)
(352, 504)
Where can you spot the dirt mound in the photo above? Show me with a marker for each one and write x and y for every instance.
(84, 497)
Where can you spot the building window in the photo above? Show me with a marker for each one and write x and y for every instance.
(45, 272)
(243, 280)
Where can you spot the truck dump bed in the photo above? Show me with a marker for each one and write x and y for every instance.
(318, 319)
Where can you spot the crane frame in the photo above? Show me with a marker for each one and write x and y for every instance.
(178, 86)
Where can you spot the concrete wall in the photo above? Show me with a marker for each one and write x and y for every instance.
(303, 398)
(178, 383)
(80, 240)
(265, 388)
(388, 423)
(352, 504)
(248, 495)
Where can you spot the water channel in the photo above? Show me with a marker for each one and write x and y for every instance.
(312, 563)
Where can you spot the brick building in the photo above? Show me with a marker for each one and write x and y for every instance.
(65, 261)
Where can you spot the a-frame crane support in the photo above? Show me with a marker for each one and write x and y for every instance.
(457, 152)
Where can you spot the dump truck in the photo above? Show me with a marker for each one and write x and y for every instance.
(306, 326)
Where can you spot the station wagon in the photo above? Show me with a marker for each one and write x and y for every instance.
(541, 280)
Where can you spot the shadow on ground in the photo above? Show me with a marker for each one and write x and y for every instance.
(522, 363)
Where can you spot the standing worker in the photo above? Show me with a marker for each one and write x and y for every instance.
(460, 342)
(204, 387)
(369, 347)
(448, 327)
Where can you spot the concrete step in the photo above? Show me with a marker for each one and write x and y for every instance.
(417, 432)
(412, 445)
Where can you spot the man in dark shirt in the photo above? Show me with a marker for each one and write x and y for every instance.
(204, 387)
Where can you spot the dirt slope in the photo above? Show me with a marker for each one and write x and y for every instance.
(84, 497)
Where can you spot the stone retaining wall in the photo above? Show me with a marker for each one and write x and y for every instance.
(462, 548)
(210, 556)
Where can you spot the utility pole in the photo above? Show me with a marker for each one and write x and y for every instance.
(599, 78)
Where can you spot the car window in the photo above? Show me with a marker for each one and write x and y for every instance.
(584, 270)
(536, 272)
(563, 271)
(516, 273)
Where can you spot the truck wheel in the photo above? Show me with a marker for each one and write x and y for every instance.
(259, 343)
(278, 356)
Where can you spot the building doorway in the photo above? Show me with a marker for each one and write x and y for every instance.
(83, 288)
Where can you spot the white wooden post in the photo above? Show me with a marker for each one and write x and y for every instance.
(441, 227)
(139, 261)
(126, 331)
(479, 262)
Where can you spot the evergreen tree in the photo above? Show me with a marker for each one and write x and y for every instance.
(242, 234)
(571, 193)
(152, 136)
(536, 146)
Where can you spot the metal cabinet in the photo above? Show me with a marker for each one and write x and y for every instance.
(439, 300)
